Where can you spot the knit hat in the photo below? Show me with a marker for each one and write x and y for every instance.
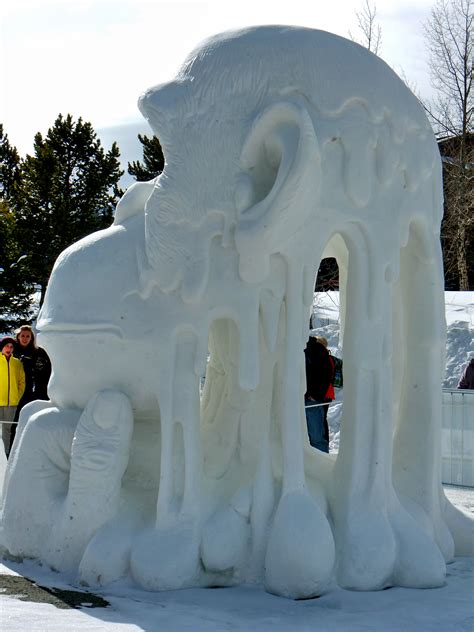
(5, 341)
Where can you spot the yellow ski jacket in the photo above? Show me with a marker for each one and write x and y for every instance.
(12, 381)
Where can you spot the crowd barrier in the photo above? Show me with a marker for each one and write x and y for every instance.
(457, 437)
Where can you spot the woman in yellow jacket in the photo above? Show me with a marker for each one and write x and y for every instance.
(12, 385)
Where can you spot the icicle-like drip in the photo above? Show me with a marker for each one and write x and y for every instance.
(292, 440)
(249, 358)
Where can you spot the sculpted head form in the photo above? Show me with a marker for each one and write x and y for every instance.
(282, 145)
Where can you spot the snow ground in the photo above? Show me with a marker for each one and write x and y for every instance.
(244, 608)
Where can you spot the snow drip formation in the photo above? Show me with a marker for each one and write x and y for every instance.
(282, 145)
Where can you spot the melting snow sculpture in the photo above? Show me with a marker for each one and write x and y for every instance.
(281, 144)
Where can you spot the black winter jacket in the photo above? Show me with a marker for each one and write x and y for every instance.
(37, 366)
(467, 377)
(319, 370)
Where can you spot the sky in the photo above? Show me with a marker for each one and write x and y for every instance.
(94, 58)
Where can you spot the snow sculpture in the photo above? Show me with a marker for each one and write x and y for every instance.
(281, 144)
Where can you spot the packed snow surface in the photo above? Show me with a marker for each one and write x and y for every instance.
(445, 609)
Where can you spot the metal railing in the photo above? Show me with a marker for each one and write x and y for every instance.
(457, 437)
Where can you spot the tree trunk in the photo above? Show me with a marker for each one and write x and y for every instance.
(462, 259)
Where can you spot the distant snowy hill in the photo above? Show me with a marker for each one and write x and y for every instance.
(459, 342)
(459, 321)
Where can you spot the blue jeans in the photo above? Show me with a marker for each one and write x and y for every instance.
(315, 423)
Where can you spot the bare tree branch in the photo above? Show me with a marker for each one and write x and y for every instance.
(371, 32)
(450, 38)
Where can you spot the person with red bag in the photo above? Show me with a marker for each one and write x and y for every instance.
(319, 373)
(330, 395)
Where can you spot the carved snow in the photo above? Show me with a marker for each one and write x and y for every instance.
(281, 144)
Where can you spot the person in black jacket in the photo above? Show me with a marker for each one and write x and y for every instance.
(319, 371)
(37, 366)
(466, 381)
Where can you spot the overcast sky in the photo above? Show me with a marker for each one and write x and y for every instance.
(94, 58)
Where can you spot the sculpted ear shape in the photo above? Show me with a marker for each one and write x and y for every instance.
(278, 187)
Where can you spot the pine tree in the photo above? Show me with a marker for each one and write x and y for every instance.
(9, 167)
(153, 160)
(16, 294)
(69, 189)
(15, 291)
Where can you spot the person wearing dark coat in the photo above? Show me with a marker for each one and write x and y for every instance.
(319, 372)
(467, 378)
(37, 366)
(330, 394)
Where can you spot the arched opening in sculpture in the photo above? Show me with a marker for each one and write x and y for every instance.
(222, 405)
(334, 265)
(327, 276)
